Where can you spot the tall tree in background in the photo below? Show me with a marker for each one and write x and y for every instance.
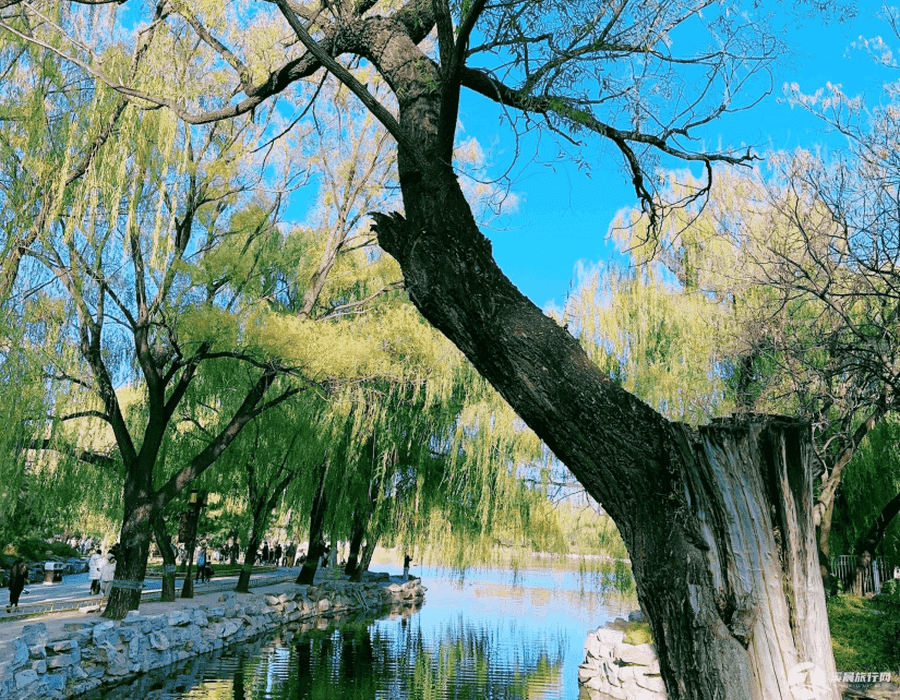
(720, 576)
(661, 340)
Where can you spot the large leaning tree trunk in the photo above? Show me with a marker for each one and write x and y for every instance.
(718, 523)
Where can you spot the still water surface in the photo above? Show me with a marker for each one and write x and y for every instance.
(494, 635)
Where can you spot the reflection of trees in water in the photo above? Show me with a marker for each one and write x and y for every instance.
(464, 661)
(471, 661)
(359, 660)
(609, 578)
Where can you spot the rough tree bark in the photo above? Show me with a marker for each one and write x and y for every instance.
(243, 584)
(134, 544)
(367, 552)
(718, 523)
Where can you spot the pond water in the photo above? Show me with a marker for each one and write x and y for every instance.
(490, 634)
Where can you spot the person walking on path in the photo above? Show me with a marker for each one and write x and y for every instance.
(107, 573)
(16, 582)
(201, 565)
(94, 566)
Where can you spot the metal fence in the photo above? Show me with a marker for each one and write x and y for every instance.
(879, 570)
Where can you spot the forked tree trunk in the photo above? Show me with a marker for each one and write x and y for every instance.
(164, 542)
(316, 534)
(356, 537)
(361, 518)
(367, 553)
(718, 523)
(262, 502)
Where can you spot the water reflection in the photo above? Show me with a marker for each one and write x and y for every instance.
(477, 637)
(357, 660)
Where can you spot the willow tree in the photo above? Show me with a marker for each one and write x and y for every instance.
(660, 339)
(265, 467)
(22, 405)
(718, 522)
(127, 260)
(866, 510)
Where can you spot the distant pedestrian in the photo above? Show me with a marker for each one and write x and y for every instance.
(201, 565)
(265, 553)
(407, 560)
(107, 573)
(94, 566)
(17, 577)
(277, 557)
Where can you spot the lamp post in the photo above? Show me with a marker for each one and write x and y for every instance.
(197, 501)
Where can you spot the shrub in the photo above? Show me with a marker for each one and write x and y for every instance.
(638, 633)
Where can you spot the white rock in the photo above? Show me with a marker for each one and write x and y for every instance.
(598, 683)
(652, 683)
(639, 654)
(605, 635)
(593, 647)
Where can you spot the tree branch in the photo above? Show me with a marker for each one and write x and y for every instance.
(374, 106)
(86, 456)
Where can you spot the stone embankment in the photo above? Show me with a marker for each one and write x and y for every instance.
(83, 656)
(613, 668)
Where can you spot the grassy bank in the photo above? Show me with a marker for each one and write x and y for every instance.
(865, 632)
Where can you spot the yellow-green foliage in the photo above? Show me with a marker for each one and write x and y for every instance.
(638, 633)
(658, 340)
(588, 531)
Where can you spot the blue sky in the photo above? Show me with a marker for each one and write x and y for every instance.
(563, 215)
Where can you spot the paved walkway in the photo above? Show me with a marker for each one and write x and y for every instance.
(74, 591)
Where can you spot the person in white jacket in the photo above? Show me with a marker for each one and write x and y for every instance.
(107, 573)
(94, 566)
